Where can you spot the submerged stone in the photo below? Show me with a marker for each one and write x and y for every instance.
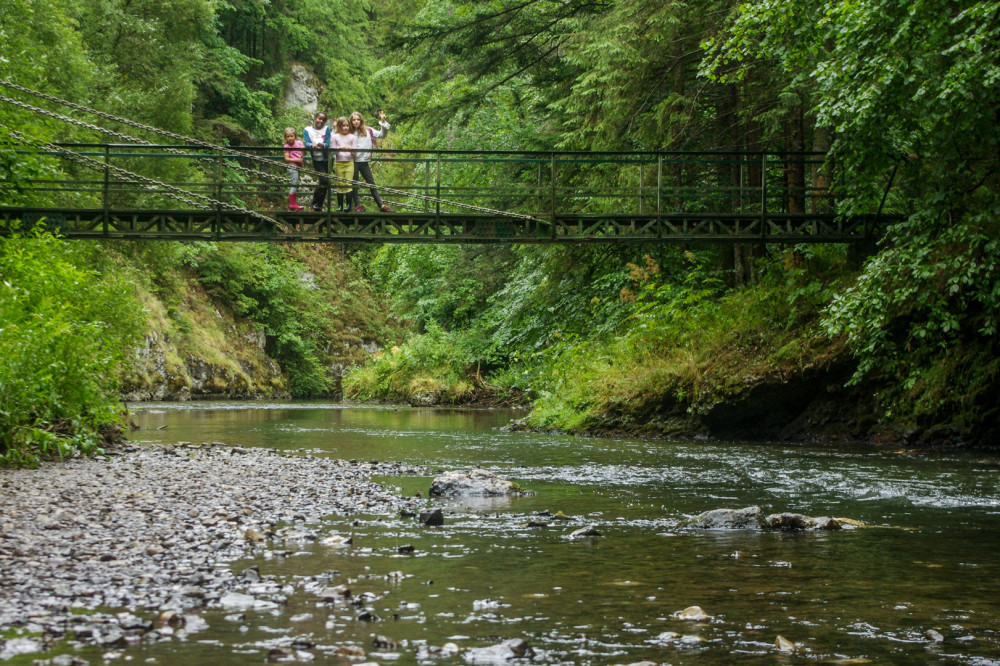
(336, 541)
(782, 644)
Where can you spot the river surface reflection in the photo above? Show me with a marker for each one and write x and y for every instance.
(920, 585)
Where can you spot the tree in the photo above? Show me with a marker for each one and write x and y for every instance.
(908, 89)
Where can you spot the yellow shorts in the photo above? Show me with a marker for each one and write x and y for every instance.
(344, 170)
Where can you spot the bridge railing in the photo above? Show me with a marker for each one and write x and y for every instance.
(544, 185)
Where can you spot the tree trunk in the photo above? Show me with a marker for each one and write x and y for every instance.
(795, 166)
(822, 203)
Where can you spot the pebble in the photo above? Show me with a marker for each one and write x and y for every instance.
(150, 530)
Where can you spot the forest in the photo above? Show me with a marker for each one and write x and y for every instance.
(894, 341)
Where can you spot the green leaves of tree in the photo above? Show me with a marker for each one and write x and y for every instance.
(64, 332)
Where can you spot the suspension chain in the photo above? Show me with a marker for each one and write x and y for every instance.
(123, 136)
(189, 198)
(250, 156)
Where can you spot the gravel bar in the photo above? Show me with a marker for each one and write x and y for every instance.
(150, 533)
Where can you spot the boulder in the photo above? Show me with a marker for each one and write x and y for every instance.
(474, 483)
(692, 614)
(432, 518)
(336, 541)
(515, 648)
(783, 645)
(750, 517)
(796, 521)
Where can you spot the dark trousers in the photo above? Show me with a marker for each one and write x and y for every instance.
(365, 170)
(319, 194)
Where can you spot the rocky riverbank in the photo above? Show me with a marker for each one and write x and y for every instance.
(127, 548)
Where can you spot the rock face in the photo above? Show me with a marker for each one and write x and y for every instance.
(303, 90)
(750, 517)
(159, 373)
(474, 483)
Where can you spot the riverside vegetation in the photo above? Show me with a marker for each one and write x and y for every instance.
(784, 342)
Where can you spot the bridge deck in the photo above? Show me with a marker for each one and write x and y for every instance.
(409, 227)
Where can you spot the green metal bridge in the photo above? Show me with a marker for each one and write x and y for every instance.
(126, 191)
(194, 190)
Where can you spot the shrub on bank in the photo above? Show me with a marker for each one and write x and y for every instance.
(688, 345)
(66, 324)
(429, 368)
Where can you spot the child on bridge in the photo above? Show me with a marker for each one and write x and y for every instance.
(343, 142)
(366, 142)
(293, 162)
(317, 137)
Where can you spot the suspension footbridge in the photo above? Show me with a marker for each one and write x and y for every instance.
(186, 189)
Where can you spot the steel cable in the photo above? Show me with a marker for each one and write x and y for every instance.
(190, 198)
(237, 153)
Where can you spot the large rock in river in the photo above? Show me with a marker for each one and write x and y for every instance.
(509, 650)
(474, 483)
(750, 517)
(796, 521)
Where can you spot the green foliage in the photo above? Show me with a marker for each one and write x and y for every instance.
(26, 26)
(633, 84)
(686, 345)
(523, 313)
(67, 324)
(892, 79)
(146, 53)
(261, 283)
(447, 285)
(931, 296)
(902, 86)
(436, 364)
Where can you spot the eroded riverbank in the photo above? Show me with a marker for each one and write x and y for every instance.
(128, 548)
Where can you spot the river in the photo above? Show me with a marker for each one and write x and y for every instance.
(920, 584)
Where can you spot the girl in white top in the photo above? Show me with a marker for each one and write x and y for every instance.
(365, 142)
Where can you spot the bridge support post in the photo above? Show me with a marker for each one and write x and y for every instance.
(107, 190)
(763, 195)
(659, 195)
(642, 186)
(538, 190)
(552, 194)
(427, 184)
(217, 223)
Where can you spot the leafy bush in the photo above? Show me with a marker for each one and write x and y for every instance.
(686, 344)
(437, 364)
(262, 283)
(923, 315)
(64, 331)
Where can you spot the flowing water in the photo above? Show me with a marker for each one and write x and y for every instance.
(921, 584)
